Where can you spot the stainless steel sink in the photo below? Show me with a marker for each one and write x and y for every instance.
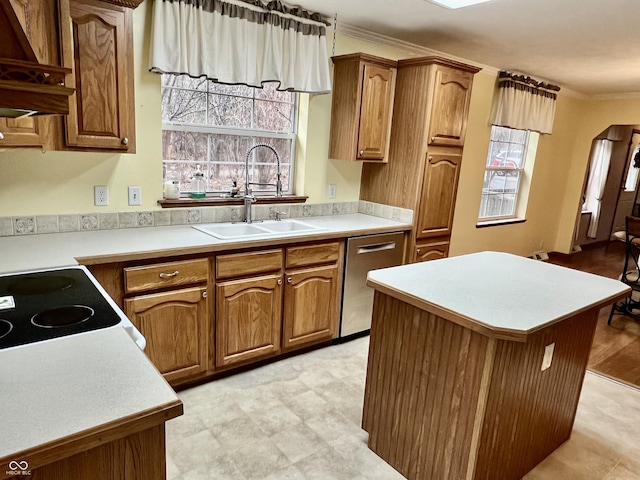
(230, 231)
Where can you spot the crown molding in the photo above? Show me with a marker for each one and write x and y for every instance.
(414, 49)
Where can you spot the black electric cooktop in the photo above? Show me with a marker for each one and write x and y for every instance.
(47, 304)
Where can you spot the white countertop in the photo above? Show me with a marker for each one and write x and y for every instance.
(29, 252)
(51, 390)
(499, 291)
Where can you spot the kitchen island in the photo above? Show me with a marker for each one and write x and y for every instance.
(84, 406)
(476, 363)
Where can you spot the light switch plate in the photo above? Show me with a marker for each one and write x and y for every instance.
(135, 195)
(548, 355)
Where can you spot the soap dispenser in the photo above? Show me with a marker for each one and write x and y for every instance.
(199, 184)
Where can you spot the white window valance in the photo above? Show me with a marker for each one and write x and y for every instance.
(241, 42)
(525, 103)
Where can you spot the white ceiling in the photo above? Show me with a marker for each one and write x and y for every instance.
(588, 46)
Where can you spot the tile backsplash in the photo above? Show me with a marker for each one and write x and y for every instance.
(41, 224)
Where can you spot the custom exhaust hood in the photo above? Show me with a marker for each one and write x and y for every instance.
(27, 87)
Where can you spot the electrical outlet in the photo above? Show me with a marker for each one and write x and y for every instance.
(135, 195)
(100, 195)
(332, 190)
(548, 356)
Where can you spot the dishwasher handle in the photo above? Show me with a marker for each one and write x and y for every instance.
(378, 247)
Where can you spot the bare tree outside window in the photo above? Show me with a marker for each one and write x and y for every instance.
(212, 125)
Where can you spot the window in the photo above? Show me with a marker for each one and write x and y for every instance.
(212, 125)
(633, 168)
(503, 173)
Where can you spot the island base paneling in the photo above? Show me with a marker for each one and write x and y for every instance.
(139, 456)
(445, 402)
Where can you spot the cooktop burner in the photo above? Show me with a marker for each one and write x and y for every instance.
(62, 316)
(38, 306)
(5, 328)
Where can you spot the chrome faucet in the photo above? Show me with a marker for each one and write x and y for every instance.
(248, 196)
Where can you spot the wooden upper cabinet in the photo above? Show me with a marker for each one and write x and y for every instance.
(438, 198)
(98, 45)
(362, 106)
(451, 97)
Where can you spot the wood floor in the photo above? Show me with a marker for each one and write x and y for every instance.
(616, 348)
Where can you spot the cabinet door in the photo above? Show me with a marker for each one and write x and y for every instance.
(98, 47)
(310, 306)
(431, 251)
(452, 94)
(438, 196)
(378, 85)
(248, 319)
(175, 326)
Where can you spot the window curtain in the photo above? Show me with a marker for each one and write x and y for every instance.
(598, 172)
(525, 103)
(241, 42)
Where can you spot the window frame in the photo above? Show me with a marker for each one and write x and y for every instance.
(255, 136)
(519, 170)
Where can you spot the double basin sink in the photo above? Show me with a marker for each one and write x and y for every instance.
(229, 231)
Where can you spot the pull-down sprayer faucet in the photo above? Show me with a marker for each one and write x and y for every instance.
(248, 196)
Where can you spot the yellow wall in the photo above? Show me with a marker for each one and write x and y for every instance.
(34, 183)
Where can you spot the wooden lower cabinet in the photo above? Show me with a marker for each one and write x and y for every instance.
(431, 251)
(310, 306)
(175, 325)
(248, 318)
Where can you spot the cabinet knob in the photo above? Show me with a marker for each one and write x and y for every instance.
(279, 281)
(204, 294)
(169, 275)
(418, 251)
(1, 136)
(433, 139)
(361, 152)
(125, 141)
(289, 280)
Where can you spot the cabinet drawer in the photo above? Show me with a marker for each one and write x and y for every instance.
(306, 255)
(249, 263)
(161, 275)
(431, 251)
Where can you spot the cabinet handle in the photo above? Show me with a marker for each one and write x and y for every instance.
(289, 280)
(279, 281)
(169, 275)
(204, 294)
(125, 141)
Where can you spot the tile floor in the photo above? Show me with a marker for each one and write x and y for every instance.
(299, 418)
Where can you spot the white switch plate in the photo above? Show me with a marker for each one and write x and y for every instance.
(135, 195)
(333, 188)
(548, 355)
(100, 195)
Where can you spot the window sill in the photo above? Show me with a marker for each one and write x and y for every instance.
(220, 201)
(496, 223)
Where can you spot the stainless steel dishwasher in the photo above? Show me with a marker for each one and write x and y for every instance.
(365, 253)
